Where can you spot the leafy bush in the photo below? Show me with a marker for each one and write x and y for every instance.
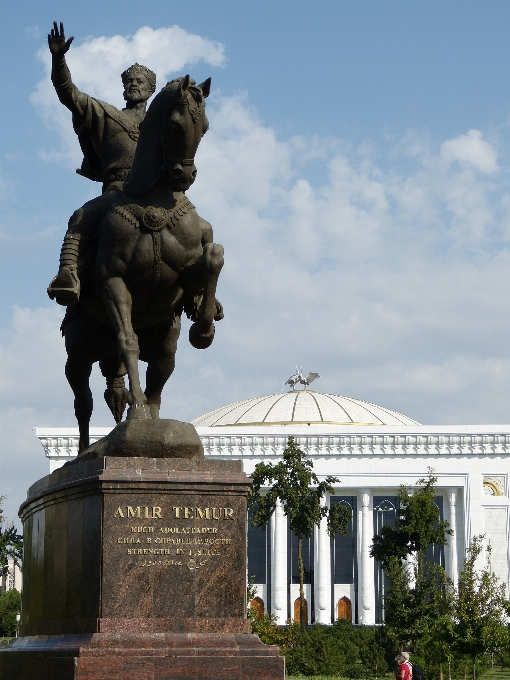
(371, 642)
(10, 605)
(271, 634)
(358, 672)
(317, 651)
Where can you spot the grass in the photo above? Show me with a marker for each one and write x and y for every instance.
(387, 676)
(495, 674)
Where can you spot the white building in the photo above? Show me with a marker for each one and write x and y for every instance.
(372, 451)
(11, 580)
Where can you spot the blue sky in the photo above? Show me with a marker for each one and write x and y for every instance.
(356, 171)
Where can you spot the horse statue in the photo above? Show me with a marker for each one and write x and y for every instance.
(154, 259)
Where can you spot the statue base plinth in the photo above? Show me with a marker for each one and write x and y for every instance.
(142, 656)
(137, 437)
(135, 569)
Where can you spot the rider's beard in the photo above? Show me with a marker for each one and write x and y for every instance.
(133, 95)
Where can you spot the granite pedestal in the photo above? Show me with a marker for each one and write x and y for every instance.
(135, 569)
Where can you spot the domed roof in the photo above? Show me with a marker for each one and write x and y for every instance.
(302, 407)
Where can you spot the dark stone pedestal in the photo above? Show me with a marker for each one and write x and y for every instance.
(131, 656)
(134, 569)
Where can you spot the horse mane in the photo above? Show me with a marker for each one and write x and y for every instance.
(148, 162)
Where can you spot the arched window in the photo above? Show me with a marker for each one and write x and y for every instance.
(344, 567)
(385, 513)
(297, 610)
(344, 609)
(435, 553)
(257, 607)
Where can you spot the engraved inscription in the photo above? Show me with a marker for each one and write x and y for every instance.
(191, 537)
(155, 512)
(202, 513)
(139, 511)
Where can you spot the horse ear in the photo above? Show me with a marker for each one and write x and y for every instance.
(206, 87)
(184, 84)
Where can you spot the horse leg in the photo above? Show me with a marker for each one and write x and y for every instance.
(118, 304)
(201, 333)
(160, 353)
(116, 394)
(78, 370)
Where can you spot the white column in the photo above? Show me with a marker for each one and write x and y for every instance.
(279, 571)
(452, 540)
(411, 560)
(323, 571)
(366, 609)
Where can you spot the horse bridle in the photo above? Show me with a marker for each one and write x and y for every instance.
(195, 109)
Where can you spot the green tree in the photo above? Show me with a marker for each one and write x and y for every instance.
(479, 608)
(11, 543)
(417, 526)
(10, 605)
(418, 597)
(438, 647)
(293, 483)
(420, 591)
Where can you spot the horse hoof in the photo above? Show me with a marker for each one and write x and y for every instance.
(116, 399)
(200, 340)
(219, 311)
(139, 412)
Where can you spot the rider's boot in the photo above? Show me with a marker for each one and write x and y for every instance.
(65, 287)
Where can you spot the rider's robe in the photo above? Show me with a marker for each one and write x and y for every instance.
(107, 135)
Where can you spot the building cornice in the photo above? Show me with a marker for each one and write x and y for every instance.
(320, 442)
(361, 444)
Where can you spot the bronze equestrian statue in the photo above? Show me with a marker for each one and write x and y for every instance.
(154, 259)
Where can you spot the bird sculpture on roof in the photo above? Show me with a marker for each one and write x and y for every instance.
(309, 379)
(294, 379)
(298, 378)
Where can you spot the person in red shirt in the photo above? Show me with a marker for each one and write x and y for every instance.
(404, 667)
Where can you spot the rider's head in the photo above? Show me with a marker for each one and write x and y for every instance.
(139, 83)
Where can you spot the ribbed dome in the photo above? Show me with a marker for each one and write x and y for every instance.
(302, 407)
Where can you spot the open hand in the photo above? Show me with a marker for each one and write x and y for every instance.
(57, 41)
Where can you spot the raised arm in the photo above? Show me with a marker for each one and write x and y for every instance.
(67, 91)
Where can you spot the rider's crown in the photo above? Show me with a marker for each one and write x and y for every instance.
(138, 69)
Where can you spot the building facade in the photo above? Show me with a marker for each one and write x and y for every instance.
(11, 578)
(372, 450)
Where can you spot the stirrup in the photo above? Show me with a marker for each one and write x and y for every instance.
(65, 287)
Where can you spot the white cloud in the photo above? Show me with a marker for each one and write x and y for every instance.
(471, 151)
(96, 65)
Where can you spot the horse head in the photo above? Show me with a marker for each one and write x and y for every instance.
(169, 137)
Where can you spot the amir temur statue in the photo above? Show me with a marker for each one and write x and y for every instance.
(108, 138)
(138, 257)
